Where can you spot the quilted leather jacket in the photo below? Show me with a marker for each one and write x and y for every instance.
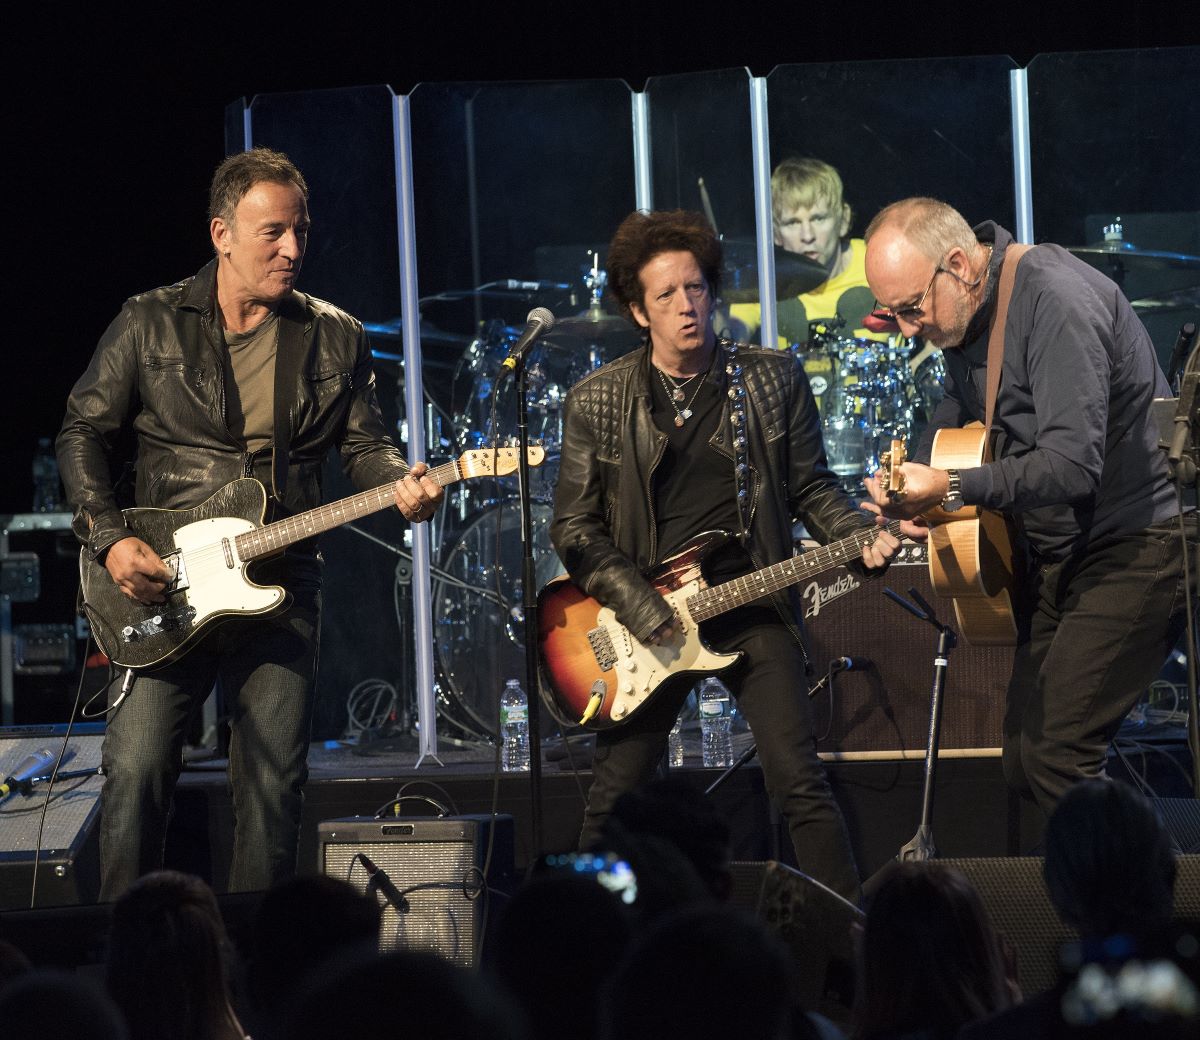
(158, 371)
(604, 526)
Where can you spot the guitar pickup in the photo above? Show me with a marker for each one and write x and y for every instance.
(602, 648)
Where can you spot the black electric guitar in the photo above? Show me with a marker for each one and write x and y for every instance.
(207, 550)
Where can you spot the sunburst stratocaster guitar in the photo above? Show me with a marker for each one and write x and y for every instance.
(971, 556)
(207, 550)
(598, 675)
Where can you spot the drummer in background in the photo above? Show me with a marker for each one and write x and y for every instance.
(811, 218)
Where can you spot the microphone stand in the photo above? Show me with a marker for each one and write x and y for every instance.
(530, 614)
(921, 846)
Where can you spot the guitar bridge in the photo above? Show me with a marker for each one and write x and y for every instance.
(602, 648)
(178, 567)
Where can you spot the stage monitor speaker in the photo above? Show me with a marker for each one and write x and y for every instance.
(814, 922)
(69, 864)
(440, 867)
(881, 708)
(1181, 817)
(1019, 906)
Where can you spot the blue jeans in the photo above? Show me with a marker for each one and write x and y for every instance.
(1095, 630)
(266, 670)
(769, 684)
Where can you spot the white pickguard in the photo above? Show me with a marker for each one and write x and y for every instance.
(642, 669)
(214, 585)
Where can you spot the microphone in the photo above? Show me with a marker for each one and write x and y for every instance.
(379, 881)
(851, 664)
(31, 767)
(538, 322)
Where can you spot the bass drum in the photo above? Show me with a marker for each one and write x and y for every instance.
(478, 615)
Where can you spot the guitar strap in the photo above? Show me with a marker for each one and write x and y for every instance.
(288, 361)
(995, 356)
(737, 417)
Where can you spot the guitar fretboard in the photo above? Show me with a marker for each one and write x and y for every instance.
(710, 602)
(263, 541)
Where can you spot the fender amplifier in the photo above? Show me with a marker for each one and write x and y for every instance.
(881, 707)
(435, 865)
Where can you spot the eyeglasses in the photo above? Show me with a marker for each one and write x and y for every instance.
(913, 312)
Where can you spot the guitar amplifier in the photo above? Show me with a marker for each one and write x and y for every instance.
(438, 867)
(881, 708)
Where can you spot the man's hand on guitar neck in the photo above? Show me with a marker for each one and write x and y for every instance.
(417, 496)
(137, 570)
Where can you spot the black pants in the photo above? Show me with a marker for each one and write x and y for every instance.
(1095, 631)
(267, 670)
(771, 692)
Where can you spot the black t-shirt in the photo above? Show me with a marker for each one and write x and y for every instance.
(694, 488)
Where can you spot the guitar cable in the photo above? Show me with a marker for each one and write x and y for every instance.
(62, 752)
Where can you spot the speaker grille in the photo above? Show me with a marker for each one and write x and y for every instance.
(72, 806)
(438, 867)
(886, 707)
(1019, 906)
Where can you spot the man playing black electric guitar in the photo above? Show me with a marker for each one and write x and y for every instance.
(685, 435)
(227, 374)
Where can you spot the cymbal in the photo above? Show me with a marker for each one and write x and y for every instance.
(794, 273)
(1114, 255)
(1178, 300)
(594, 327)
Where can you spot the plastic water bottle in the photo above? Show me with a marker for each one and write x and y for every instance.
(514, 728)
(47, 488)
(716, 741)
(675, 743)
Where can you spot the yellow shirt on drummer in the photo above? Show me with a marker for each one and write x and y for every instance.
(819, 303)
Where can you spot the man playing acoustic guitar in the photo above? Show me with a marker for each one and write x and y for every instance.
(686, 435)
(1076, 464)
(230, 373)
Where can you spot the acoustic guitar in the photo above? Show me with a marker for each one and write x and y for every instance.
(971, 558)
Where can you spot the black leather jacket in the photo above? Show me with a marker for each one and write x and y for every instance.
(604, 526)
(158, 371)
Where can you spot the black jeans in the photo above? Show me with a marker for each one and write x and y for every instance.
(1095, 631)
(267, 671)
(769, 684)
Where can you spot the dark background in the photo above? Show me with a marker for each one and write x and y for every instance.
(115, 120)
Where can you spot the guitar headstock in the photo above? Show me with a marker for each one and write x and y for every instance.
(889, 464)
(497, 462)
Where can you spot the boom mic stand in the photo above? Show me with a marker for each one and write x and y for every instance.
(921, 846)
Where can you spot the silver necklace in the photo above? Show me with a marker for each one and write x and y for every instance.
(676, 395)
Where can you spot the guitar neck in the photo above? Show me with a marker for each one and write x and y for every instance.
(717, 599)
(270, 538)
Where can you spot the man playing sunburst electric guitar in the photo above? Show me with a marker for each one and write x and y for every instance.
(686, 435)
(1075, 463)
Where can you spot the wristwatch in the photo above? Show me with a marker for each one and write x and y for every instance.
(954, 499)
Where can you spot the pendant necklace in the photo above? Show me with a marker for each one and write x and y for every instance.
(676, 395)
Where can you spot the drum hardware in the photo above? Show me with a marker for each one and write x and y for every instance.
(868, 392)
